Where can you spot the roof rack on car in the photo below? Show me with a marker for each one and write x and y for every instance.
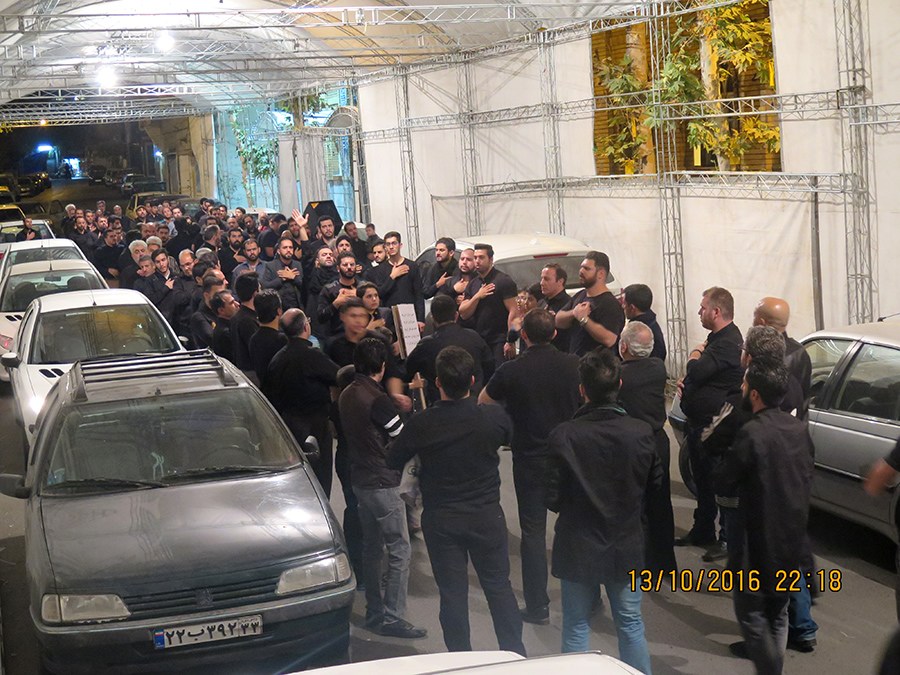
(123, 368)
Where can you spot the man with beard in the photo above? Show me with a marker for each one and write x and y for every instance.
(203, 321)
(360, 248)
(490, 301)
(232, 255)
(129, 272)
(398, 278)
(323, 273)
(335, 294)
(84, 239)
(106, 257)
(594, 315)
(465, 271)
(638, 298)
(377, 256)
(444, 267)
(285, 275)
(553, 288)
(225, 307)
(176, 306)
(253, 262)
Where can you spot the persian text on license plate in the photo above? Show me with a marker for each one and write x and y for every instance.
(182, 636)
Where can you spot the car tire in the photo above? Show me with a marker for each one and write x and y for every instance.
(684, 467)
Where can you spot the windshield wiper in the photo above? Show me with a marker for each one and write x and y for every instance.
(107, 483)
(219, 471)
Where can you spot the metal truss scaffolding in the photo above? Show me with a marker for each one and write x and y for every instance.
(407, 168)
(467, 144)
(552, 156)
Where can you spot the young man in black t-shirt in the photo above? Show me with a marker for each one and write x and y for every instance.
(490, 301)
(594, 315)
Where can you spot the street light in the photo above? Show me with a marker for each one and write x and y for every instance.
(165, 42)
(107, 77)
(43, 123)
(45, 148)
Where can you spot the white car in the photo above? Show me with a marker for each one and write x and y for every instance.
(486, 663)
(58, 330)
(38, 250)
(28, 281)
(523, 256)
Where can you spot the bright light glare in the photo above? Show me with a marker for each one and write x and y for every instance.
(107, 77)
(158, 153)
(45, 148)
(43, 123)
(165, 42)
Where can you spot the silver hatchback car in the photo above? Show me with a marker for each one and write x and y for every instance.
(172, 522)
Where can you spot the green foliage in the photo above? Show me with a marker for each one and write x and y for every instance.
(626, 142)
(258, 155)
(737, 39)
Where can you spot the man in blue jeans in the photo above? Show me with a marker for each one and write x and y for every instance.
(603, 464)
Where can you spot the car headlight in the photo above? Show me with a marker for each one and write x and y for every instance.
(321, 573)
(6, 342)
(82, 608)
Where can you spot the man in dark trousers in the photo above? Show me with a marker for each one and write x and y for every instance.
(539, 391)
(268, 339)
(398, 279)
(643, 395)
(713, 372)
(298, 383)
(457, 441)
(490, 301)
(594, 316)
(602, 465)
(447, 332)
(245, 322)
(770, 468)
(444, 267)
(638, 299)
(553, 288)
(371, 421)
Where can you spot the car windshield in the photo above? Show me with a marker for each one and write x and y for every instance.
(44, 253)
(21, 289)
(139, 443)
(91, 332)
(527, 271)
(32, 209)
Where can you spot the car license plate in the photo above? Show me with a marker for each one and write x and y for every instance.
(182, 636)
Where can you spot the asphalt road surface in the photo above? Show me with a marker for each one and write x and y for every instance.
(687, 632)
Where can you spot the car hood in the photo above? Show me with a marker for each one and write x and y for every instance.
(111, 539)
(9, 325)
(33, 383)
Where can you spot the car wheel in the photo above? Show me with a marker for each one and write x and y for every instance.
(684, 466)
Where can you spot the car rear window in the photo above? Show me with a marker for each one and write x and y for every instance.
(91, 332)
(45, 253)
(160, 437)
(527, 271)
(21, 289)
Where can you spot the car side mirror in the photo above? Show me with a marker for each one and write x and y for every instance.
(311, 449)
(10, 360)
(13, 485)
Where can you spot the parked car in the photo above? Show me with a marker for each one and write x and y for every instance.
(37, 250)
(51, 213)
(28, 281)
(27, 187)
(148, 185)
(523, 256)
(127, 187)
(173, 522)
(854, 420)
(6, 197)
(58, 330)
(96, 173)
(487, 663)
(10, 182)
(154, 197)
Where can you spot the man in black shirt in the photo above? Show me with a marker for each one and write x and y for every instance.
(245, 322)
(643, 395)
(285, 275)
(225, 307)
(638, 299)
(594, 314)
(456, 441)
(203, 321)
(267, 339)
(553, 288)
(447, 332)
(107, 256)
(444, 267)
(776, 313)
(360, 247)
(335, 294)
(298, 383)
(465, 272)
(539, 391)
(490, 301)
(398, 278)
(232, 255)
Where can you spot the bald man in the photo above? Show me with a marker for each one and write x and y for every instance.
(776, 313)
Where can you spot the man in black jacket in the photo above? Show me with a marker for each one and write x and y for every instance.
(447, 332)
(268, 339)
(713, 372)
(456, 441)
(225, 307)
(602, 464)
(643, 395)
(553, 288)
(776, 313)
(335, 294)
(770, 468)
(245, 322)
(638, 299)
(444, 267)
(285, 275)
(398, 278)
(539, 391)
(298, 383)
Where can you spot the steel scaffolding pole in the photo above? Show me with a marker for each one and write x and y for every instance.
(669, 204)
(852, 75)
(550, 124)
(407, 167)
(467, 145)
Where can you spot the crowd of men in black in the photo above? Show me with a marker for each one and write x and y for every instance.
(575, 385)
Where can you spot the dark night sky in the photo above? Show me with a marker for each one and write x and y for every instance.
(73, 141)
